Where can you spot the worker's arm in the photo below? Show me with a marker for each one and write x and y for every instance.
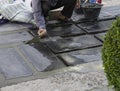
(39, 17)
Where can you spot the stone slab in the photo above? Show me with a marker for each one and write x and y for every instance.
(11, 27)
(15, 37)
(96, 26)
(105, 16)
(79, 18)
(100, 36)
(59, 44)
(38, 60)
(109, 12)
(65, 30)
(82, 56)
(12, 64)
(111, 8)
(41, 47)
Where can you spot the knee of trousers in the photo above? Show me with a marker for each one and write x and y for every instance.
(45, 9)
(72, 1)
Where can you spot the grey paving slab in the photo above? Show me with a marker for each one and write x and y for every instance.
(39, 61)
(111, 8)
(100, 36)
(15, 37)
(11, 27)
(41, 47)
(77, 17)
(65, 30)
(82, 56)
(12, 64)
(104, 15)
(96, 26)
(58, 45)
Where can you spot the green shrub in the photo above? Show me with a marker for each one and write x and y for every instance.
(111, 55)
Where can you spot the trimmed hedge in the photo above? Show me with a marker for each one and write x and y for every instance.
(111, 55)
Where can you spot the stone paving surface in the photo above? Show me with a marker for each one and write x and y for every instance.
(68, 59)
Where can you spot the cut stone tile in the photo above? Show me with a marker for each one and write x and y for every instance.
(43, 49)
(105, 16)
(11, 27)
(15, 37)
(39, 61)
(58, 45)
(65, 30)
(111, 9)
(95, 27)
(100, 36)
(77, 17)
(82, 56)
(12, 64)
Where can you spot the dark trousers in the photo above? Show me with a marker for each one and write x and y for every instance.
(67, 10)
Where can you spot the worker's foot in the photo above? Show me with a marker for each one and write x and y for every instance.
(61, 17)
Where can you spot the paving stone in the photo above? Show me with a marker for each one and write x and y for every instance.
(59, 44)
(100, 36)
(11, 27)
(82, 56)
(39, 61)
(77, 17)
(97, 26)
(12, 64)
(15, 37)
(109, 12)
(113, 10)
(105, 16)
(65, 30)
(41, 47)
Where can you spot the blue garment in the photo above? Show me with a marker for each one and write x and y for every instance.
(38, 14)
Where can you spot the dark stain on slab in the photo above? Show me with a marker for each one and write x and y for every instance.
(65, 30)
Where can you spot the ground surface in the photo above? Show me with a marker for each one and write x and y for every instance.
(69, 59)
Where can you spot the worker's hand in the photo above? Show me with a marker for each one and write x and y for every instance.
(78, 3)
(42, 32)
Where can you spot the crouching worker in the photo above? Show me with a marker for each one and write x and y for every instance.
(42, 7)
